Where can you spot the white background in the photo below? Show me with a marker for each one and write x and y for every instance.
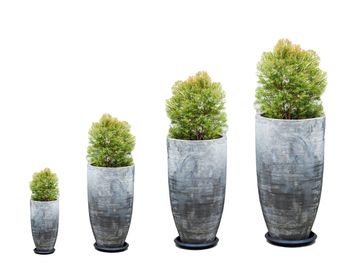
(65, 63)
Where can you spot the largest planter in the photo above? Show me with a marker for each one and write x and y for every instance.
(110, 197)
(197, 182)
(289, 163)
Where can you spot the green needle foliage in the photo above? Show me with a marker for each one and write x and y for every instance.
(196, 109)
(111, 143)
(44, 186)
(290, 83)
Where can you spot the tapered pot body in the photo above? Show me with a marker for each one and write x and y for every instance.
(289, 163)
(110, 197)
(197, 182)
(44, 223)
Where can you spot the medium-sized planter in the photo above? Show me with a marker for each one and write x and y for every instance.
(197, 182)
(110, 197)
(44, 223)
(289, 163)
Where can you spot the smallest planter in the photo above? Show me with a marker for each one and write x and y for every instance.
(44, 211)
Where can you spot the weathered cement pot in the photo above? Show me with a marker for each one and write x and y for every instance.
(289, 163)
(44, 221)
(110, 197)
(197, 182)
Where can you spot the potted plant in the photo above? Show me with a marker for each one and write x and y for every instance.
(197, 160)
(110, 173)
(44, 211)
(290, 129)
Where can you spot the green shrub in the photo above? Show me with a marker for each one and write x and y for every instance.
(196, 109)
(290, 83)
(111, 143)
(44, 186)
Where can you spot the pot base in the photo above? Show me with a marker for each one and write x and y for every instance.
(43, 251)
(112, 249)
(195, 246)
(291, 243)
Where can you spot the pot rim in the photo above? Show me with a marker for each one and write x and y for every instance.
(222, 138)
(36, 201)
(111, 168)
(259, 116)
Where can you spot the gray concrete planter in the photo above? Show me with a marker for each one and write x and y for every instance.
(110, 197)
(289, 164)
(197, 182)
(44, 222)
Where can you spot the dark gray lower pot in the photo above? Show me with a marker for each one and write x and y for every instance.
(44, 222)
(110, 197)
(197, 182)
(289, 163)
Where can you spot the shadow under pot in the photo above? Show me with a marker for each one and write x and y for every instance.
(289, 163)
(44, 223)
(110, 198)
(197, 182)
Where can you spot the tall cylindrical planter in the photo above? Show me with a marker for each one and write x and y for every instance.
(44, 222)
(197, 182)
(289, 163)
(110, 197)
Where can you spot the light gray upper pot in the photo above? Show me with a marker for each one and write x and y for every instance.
(110, 197)
(44, 222)
(289, 163)
(197, 182)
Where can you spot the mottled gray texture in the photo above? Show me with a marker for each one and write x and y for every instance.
(110, 196)
(44, 221)
(289, 163)
(197, 182)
